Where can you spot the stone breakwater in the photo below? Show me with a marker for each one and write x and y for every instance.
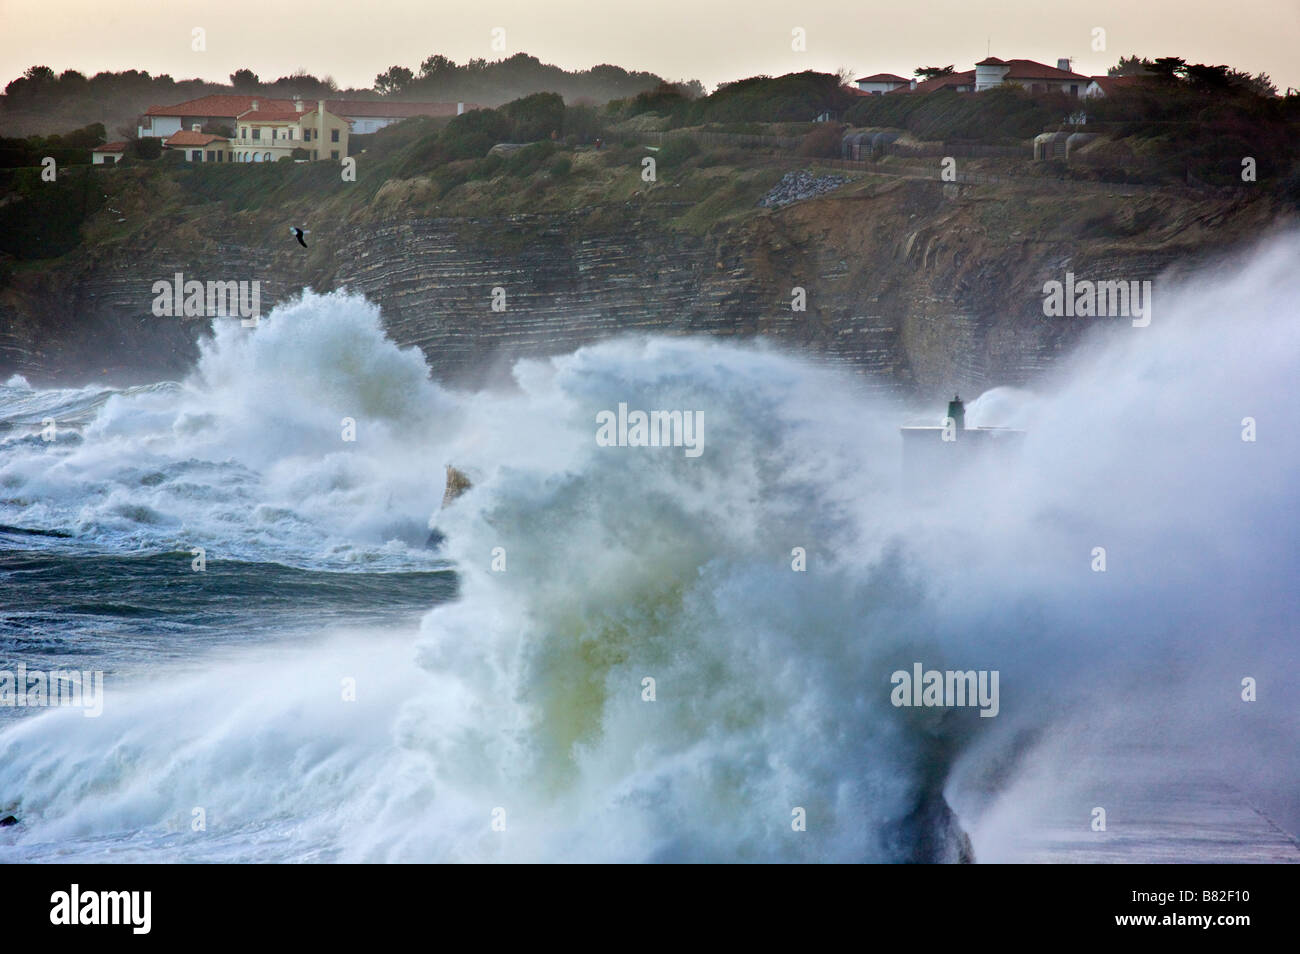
(797, 186)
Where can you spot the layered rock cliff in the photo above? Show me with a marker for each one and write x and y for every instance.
(917, 285)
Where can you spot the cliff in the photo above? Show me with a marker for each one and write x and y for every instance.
(920, 286)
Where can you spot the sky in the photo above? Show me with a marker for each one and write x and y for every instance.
(711, 40)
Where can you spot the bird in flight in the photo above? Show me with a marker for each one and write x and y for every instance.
(298, 234)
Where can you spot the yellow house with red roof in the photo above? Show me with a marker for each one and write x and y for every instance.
(268, 131)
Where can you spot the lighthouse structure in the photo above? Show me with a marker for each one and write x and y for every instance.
(956, 414)
(934, 454)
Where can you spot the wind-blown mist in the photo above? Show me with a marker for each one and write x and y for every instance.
(526, 692)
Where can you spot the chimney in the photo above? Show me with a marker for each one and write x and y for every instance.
(297, 103)
(912, 85)
(254, 106)
(1063, 64)
(460, 109)
(196, 127)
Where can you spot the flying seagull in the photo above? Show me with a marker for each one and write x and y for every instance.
(298, 234)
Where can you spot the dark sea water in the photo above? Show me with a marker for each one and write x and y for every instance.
(129, 614)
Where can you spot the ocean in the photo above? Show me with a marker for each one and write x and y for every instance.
(631, 653)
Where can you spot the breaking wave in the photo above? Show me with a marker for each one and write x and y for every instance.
(586, 570)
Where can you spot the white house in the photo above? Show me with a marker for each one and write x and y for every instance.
(879, 83)
(109, 154)
(367, 116)
(1035, 77)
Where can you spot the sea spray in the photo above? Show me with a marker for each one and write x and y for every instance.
(515, 726)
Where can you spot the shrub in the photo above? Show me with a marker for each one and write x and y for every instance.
(1001, 113)
(534, 117)
(487, 167)
(150, 147)
(47, 222)
(823, 143)
(794, 97)
(470, 135)
(524, 162)
(676, 151)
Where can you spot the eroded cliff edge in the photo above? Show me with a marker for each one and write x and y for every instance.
(917, 285)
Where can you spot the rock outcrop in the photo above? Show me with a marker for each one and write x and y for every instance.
(915, 285)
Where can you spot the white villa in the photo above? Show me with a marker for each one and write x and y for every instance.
(1035, 77)
(879, 83)
(988, 73)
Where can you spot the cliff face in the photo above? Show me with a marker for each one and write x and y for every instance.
(919, 286)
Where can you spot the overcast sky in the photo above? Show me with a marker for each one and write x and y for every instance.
(710, 40)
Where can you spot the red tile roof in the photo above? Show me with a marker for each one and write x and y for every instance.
(111, 147)
(234, 105)
(219, 105)
(882, 78)
(188, 137)
(1029, 69)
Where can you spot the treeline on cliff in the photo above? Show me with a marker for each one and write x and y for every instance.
(71, 148)
(794, 97)
(499, 81)
(42, 101)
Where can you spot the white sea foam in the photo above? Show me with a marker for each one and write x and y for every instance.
(771, 686)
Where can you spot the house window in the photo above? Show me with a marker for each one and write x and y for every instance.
(196, 155)
(212, 156)
(257, 133)
(243, 132)
(334, 135)
(291, 134)
(146, 122)
(221, 156)
(334, 153)
(1074, 89)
